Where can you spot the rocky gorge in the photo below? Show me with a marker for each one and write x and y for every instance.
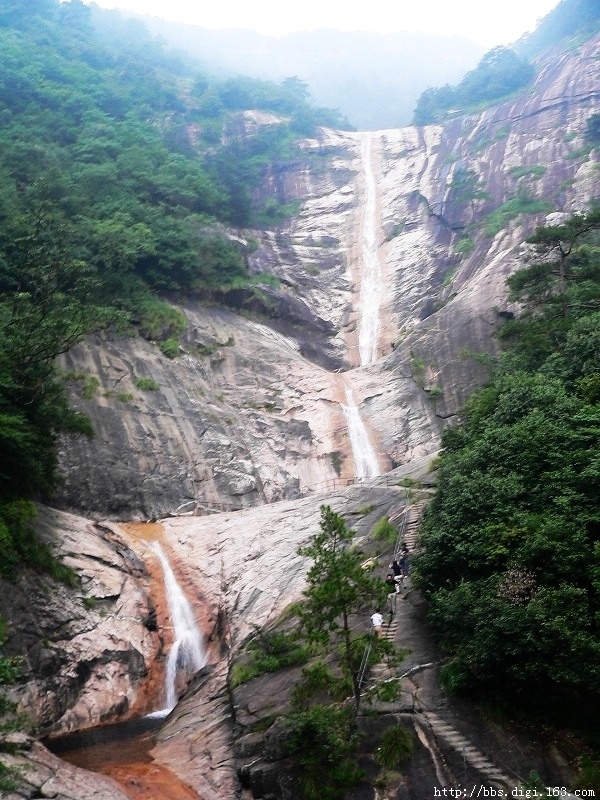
(249, 421)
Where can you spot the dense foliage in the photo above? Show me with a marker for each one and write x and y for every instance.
(323, 742)
(321, 731)
(119, 172)
(499, 73)
(511, 542)
(338, 587)
(505, 70)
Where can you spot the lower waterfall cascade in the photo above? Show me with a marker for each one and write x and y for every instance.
(188, 653)
(366, 464)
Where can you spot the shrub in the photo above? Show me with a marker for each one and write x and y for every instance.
(499, 219)
(318, 681)
(364, 510)
(588, 776)
(592, 129)
(389, 691)
(323, 742)
(147, 384)
(435, 392)
(269, 651)
(19, 544)
(464, 247)
(384, 531)
(534, 171)
(90, 387)
(396, 747)
(170, 348)
(157, 320)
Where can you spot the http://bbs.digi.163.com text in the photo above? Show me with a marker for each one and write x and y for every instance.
(517, 792)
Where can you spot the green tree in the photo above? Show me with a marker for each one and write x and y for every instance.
(323, 742)
(592, 129)
(46, 306)
(499, 73)
(338, 588)
(510, 559)
(560, 285)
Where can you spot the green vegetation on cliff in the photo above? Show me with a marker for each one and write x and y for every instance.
(506, 70)
(120, 169)
(511, 542)
(327, 638)
(499, 73)
(569, 20)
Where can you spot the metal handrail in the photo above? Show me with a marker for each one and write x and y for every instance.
(363, 664)
(401, 532)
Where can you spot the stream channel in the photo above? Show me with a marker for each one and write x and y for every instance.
(122, 751)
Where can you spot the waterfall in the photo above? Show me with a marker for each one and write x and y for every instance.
(370, 292)
(187, 654)
(365, 458)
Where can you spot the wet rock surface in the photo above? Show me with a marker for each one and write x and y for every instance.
(86, 650)
(42, 774)
(241, 570)
(249, 412)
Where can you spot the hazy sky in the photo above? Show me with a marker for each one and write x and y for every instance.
(488, 24)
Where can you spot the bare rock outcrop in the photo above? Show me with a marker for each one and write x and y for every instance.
(87, 649)
(250, 411)
(42, 774)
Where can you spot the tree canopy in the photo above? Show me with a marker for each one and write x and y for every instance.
(121, 168)
(511, 541)
(499, 73)
(338, 587)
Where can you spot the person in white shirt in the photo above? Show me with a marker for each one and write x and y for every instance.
(377, 620)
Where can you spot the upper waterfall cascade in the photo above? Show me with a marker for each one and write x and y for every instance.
(370, 292)
(366, 463)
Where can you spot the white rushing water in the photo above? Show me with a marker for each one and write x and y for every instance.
(187, 654)
(370, 291)
(366, 464)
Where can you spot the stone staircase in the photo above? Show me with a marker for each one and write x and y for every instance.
(415, 512)
(437, 728)
(475, 758)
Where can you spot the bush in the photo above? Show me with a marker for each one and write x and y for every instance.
(147, 384)
(384, 531)
(269, 651)
(19, 544)
(323, 742)
(396, 747)
(157, 320)
(170, 348)
(318, 681)
(499, 219)
(464, 247)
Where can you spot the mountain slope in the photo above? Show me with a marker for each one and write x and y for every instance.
(270, 414)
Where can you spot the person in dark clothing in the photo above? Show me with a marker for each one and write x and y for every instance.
(397, 570)
(404, 566)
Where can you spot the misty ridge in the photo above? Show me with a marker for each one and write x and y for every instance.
(373, 79)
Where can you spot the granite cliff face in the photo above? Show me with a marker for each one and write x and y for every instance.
(250, 411)
(255, 408)
(87, 650)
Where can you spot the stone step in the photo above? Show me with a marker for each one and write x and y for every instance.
(472, 755)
